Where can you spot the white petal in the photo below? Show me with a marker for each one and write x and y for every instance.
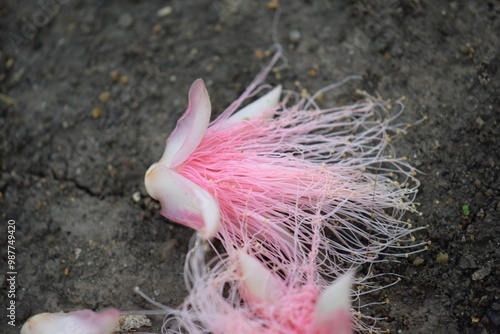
(82, 322)
(190, 128)
(260, 281)
(335, 297)
(256, 108)
(182, 200)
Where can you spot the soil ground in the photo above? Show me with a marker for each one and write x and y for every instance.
(90, 90)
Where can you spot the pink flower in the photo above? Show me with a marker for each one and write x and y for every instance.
(297, 194)
(239, 294)
(260, 172)
(295, 309)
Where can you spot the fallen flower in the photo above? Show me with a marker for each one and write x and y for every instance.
(238, 293)
(253, 171)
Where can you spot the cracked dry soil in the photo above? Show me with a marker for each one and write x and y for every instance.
(90, 90)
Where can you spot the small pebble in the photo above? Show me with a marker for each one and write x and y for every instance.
(115, 76)
(481, 273)
(78, 251)
(104, 96)
(313, 73)
(112, 171)
(165, 11)
(442, 257)
(130, 322)
(126, 20)
(259, 54)
(467, 261)
(418, 261)
(9, 63)
(193, 52)
(136, 197)
(294, 36)
(96, 113)
(273, 4)
(479, 122)
(7, 99)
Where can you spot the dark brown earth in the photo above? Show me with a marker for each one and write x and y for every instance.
(72, 175)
